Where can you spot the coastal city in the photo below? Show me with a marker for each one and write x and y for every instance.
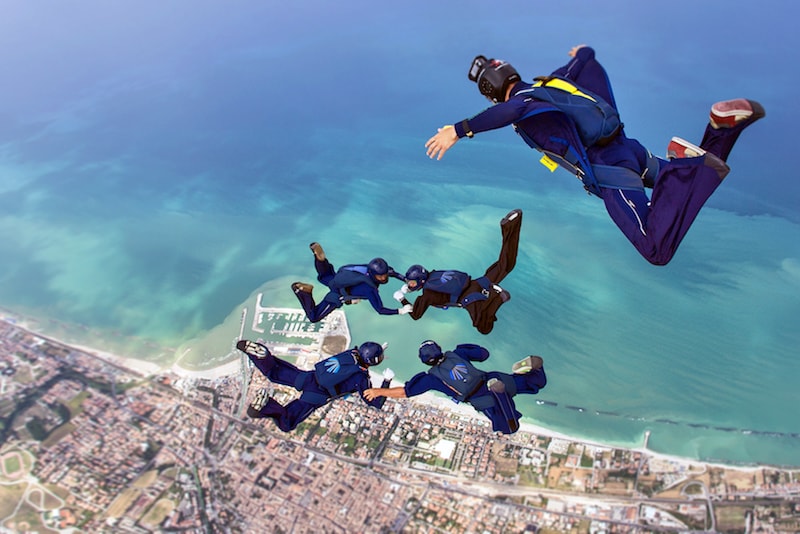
(90, 444)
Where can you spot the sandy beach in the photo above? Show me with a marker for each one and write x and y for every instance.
(233, 367)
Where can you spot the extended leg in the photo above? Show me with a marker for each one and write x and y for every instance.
(275, 369)
(506, 420)
(657, 226)
(530, 382)
(315, 312)
(727, 121)
(259, 354)
(286, 417)
(325, 271)
(510, 227)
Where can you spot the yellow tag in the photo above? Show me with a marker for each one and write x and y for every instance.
(549, 163)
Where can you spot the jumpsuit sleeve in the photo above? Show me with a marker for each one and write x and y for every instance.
(422, 382)
(394, 274)
(421, 305)
(377, 303)
(472, 352)
(497, 116)
(365, 384)
(587, 72)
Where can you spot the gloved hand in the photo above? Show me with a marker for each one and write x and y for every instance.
(388, 374)
(405, 309)
(399, 295)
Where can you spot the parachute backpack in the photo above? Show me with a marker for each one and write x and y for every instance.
(596, 123)
(595, 119)
(449, 282)
(459, 375)
(333, 371)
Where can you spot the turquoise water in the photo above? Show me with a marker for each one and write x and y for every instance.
(148, 186)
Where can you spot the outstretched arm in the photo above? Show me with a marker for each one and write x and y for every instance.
(398, 392)
(492, 118)
(472, 352)
(377, 303)
(440, 143)
(587, 72)
(377, 401)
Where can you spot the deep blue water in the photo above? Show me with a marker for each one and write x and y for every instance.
(158, 164)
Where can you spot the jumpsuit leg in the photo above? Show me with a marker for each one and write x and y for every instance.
(317, 312)
(657, 226)
(529, 383)
(484, 312)
(325, 272)
(264, 364)
(288, 417)
(285, 373)
(720, 141)
(508, 250)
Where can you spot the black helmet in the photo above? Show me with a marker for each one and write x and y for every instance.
(493, 77)
(370, 353)
(377, 267)
(430, 352)
(417, 273)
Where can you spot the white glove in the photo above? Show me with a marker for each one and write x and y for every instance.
(388, 374)
(405, 309)
(400, 294)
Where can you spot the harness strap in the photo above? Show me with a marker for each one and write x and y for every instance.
(614, 177)
(596, 176)
(651, 171)
(485, 284)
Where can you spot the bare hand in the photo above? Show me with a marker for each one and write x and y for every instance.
(370, 394)
(574, 50)
(441, 142)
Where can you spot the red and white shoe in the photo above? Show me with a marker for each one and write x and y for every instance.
(681, 148)
(729, 113)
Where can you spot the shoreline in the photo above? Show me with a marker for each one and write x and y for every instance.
(147, 369)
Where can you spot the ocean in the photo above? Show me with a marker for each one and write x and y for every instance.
(159, 165)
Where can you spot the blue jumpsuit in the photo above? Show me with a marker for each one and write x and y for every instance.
(365, 288)
(655, 226)
(529, 383)
(313, 396)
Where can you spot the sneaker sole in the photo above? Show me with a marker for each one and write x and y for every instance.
(317, 250)
(690, 150)
(252, 348)
(300, 287)
(511, 216)
(531, 363)
(718, 118)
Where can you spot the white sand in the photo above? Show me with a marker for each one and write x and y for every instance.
(234, 367)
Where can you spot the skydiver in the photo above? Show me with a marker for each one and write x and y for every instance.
(481, 297)
(331, 378)
(491, 393)
(681, 185)
(348, 285)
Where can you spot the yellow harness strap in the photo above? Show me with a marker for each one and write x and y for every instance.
(561, 85)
